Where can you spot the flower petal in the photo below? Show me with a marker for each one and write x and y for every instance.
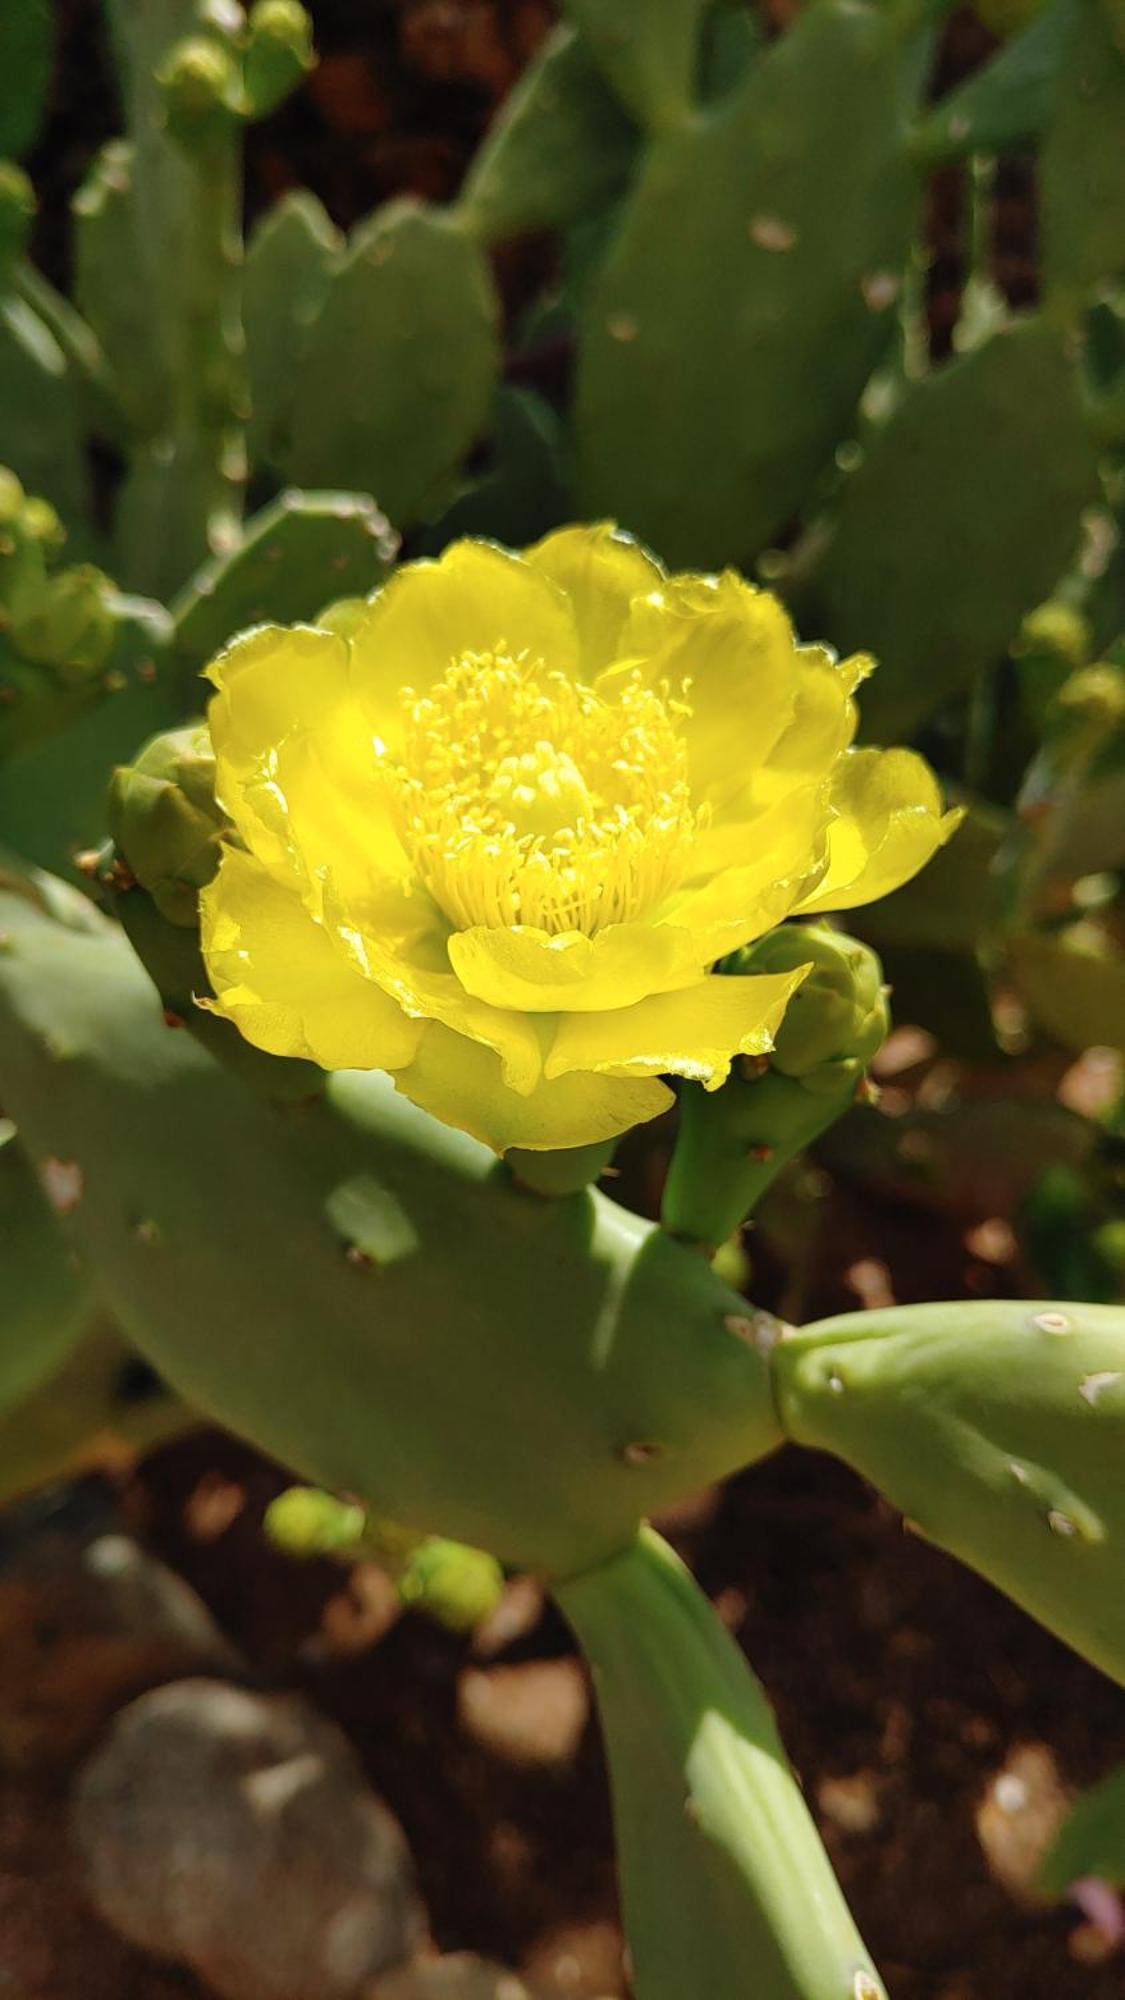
(545, 973)
(391, 943)
(279, 977)
(476, 598)
(785, 850)
(295, 763)
(461, 1083)
(601, 571)
(696, 1033)
(733, 649)
(824, 719)
(888, 823)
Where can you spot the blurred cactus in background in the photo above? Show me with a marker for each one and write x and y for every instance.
(494, 1362)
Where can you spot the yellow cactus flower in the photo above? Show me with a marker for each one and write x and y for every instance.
(494, 834)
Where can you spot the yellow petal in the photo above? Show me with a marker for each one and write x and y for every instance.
(824, 718)
(545, 973)
(601, 571)
(733, 648)
(277, 974)
(888, 823)
(476, 598)
(696, 1033)
(412, 966)
(461, 1083)
(785, 850)
(295, 764)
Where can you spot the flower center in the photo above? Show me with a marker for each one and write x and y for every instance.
(523, 797)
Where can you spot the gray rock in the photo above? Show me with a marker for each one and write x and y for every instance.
(236, 1831)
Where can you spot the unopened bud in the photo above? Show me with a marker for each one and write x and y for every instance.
(70, 627)
(279, 52)
(457, 1585)
(838, 1014)
(165, 822)
(201, 88)
(304, 1521)
(1056, 630)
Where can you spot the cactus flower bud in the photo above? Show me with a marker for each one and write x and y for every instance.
(839, 1012)
(201, 88)
(17, 208)
(457, 1585)
(165, 822)
(279, 52)
(70, 626)
(733, 1142)
(304, 1521)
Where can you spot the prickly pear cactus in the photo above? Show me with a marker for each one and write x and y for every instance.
(915, 527)
(760, 251)
(400, 365)
(998, 1428)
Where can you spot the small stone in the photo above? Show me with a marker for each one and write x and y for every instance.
(1019, 1816)
(87, 1622)
(850, 1803)
(236, 1832)
(533, 1713)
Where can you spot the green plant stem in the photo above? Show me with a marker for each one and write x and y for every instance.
(727, 1891)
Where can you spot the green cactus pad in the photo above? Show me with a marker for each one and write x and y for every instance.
(531, 1380)
(561, 148)
(298, 552)
(759, 254)
(46, 1302)
(401, 363)
(1082, 164)
(1091, 1841)
(285, 279)
(119, 310)
(648, 50)
(998, 1427)
(960, 518)
(726, 1888)
(1008, 103)
(40, 410)
(26, 38)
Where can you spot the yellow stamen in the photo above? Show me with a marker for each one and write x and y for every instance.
(524, 797)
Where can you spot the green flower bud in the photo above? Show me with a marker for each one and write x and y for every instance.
(838, 1015)
(1093, 697)
(12, 498)
(70, 627)
(165, 822)
(733, 1142)
(17, 210)
(303, 1521)
(279, 52)
(41, 522)
(1055, 629)
(457, 1585)
(202, 89)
